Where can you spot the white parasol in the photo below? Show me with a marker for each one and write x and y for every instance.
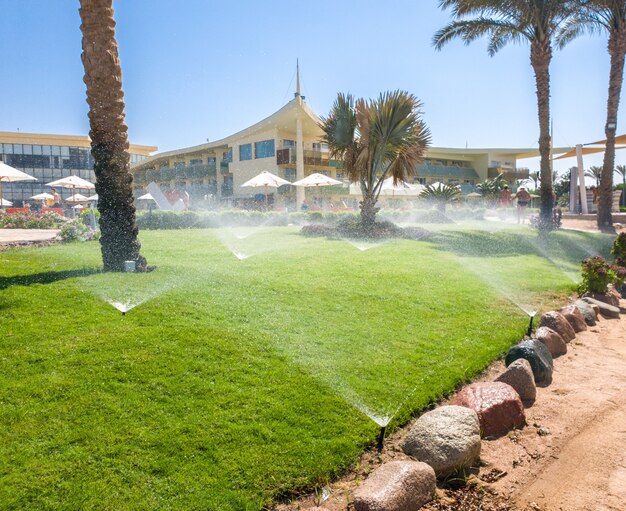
(9, 174)
(266, 180)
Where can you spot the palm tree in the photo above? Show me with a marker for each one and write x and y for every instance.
(376, 139)
(594, 172)
(535, 177)
(609, 16)
(109, 136)
(441, 195)
(535, 21)
(621, 170)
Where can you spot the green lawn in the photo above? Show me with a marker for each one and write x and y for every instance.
(239, 382)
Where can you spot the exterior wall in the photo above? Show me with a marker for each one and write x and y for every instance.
(48, 158)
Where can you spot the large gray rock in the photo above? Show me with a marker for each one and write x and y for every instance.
(587, 311)
(519, 375)
(553, 341)
(396, 486)
(575, 318)
(612, 297)
(447, 438)
(608, 311)
(557, 322)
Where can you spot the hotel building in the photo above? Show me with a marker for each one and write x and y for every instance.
(288, 144)
(51, 157)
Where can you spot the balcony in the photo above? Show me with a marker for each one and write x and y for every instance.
(509, 174)
(446, 171)
(289, 156)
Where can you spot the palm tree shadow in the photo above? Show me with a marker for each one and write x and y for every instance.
(47, 277)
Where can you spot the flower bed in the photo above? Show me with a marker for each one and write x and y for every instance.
(31, 221)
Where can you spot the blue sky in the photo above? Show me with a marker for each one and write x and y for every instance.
(199, 69)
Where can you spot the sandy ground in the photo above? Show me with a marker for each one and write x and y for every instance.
(27, 235)
(571, 456)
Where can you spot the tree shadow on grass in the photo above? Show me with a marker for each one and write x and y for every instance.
(484, 243)
(47, 277)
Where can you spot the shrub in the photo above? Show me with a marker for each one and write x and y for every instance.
(597, 274)
(76, 230)
(31, 221)
(619, 249)
(85, 216)
(354, 228)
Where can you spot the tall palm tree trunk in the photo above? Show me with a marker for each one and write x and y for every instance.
(617, 48)
(109, 135)
(540, 57)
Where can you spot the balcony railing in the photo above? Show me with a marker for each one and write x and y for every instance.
(289, 156)
(509, 174)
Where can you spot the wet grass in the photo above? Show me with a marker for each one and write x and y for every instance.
(239, 382)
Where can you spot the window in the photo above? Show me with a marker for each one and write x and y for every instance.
(245, 152)
(264, 149)
(290, 174)
(319, 147)
(289, 143)
(227, 156)
(195, 162)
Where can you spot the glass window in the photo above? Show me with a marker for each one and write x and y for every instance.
(17, 149)
(245, 152)
(65, 151)
(227, 156)
(28, 149)
(264, 149)
(195, 162)
(46, 150)
(56, 150)
(8, 149)
(290, 174)
(289, 143)
(36, 149)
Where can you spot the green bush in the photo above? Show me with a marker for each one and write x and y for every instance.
(619, 249)
(75, 230)
(31, 221)
(597, 274)
(85, 216)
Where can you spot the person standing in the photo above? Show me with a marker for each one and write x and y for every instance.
(504, 198)
(523, 199)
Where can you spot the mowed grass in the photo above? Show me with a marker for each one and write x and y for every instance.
(237, 383)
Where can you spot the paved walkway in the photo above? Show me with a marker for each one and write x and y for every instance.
(10, 236)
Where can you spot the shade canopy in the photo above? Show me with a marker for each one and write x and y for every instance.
(4, 202)
(93, 197)
(317, 179)
(146, 196)
(474, 195)
(42, 196)
(72, 182)
(9, 174)
(266, 179)
(398, 186)
(77, 197)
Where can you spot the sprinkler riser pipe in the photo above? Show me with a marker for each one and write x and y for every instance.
(530, 326)
(381, 438)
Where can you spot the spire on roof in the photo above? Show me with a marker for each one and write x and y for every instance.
(297, 93)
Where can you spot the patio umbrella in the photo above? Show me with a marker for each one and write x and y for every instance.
(4, 202)
(77, 197)
(93, 197)
(266, 180)
(146, 196)
(401, 187)
(72, 182)
(473, 195)
(42, 196)
(316, 180)
(9, 174)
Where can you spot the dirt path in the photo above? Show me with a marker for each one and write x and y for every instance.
(572, 454)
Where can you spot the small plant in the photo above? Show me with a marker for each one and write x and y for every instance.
(597, 274)
(77, 231)
(619, 249)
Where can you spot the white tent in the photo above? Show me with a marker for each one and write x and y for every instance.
(9, 174)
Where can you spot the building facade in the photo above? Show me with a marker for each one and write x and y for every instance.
(51, 157)
(288, 144)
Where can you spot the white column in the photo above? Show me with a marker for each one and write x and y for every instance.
(573, 189)
(581, 179)
(218, 175)
(299, 162)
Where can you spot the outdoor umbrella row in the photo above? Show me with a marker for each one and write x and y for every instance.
(268, 180)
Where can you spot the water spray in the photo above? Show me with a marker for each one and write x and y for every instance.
(531, 314)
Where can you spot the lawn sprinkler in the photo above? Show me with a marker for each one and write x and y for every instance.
(530, 325)
(381, 438)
